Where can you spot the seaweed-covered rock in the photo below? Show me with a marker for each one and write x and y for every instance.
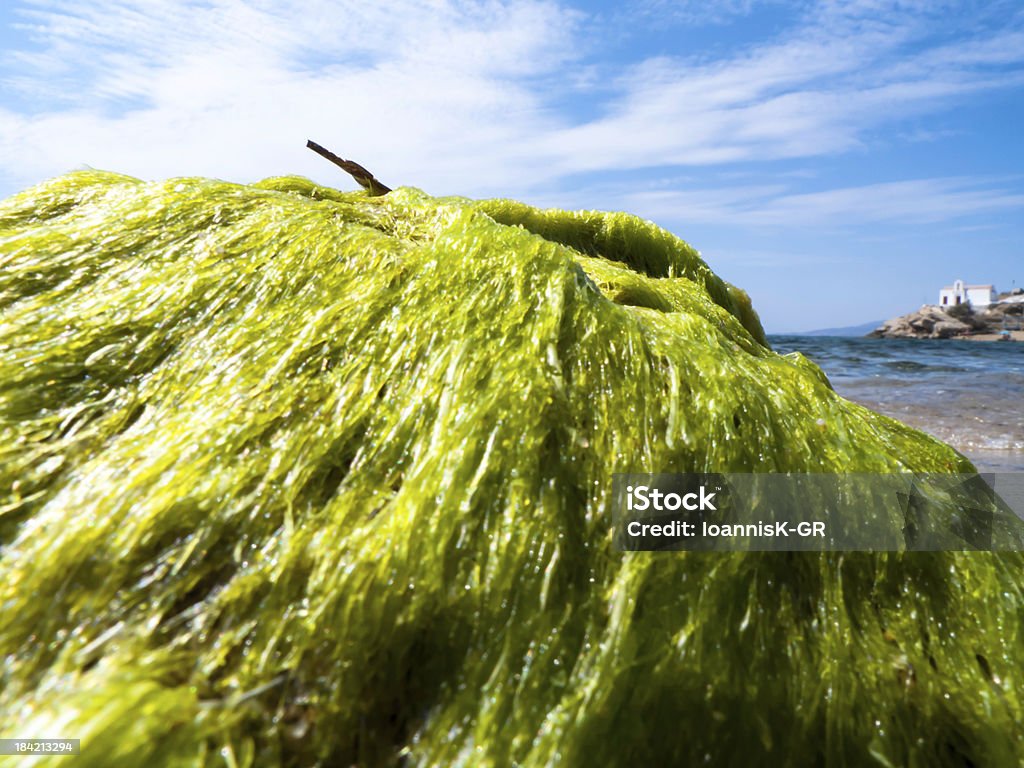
(290, 476)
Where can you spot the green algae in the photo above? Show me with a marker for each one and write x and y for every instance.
(291, 476)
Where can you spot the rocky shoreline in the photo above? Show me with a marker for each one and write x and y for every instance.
(997, 322)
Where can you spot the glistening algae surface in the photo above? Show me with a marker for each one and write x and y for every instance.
(290, 476)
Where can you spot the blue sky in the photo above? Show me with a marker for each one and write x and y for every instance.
(841, 161)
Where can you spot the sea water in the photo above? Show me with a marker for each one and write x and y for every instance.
(968, 393)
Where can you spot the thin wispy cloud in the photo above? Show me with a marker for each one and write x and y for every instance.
(430, 92)
(452, 94)
(694, 12)
(817, 91)
(907, 203)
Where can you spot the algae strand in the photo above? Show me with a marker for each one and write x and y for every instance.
(291, 476)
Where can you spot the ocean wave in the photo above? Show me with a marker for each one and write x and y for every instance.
(914, 366)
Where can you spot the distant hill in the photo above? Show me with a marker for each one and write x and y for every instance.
(850, 330)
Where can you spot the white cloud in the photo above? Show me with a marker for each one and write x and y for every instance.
(819, 90)
(923, 201)
(694, 12)
(458, 96)
(914, 202)
(424, 92)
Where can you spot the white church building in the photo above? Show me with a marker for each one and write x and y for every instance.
(959, 293)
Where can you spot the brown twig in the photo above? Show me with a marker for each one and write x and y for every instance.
(354, 169)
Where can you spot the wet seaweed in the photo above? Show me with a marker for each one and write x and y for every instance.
(292, 477)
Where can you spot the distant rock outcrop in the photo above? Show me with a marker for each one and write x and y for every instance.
(961, 321)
